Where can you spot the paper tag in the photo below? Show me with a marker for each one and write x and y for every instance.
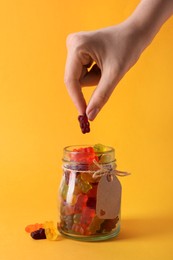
(108, 197)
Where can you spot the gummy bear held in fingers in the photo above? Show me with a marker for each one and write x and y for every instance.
(84, 123)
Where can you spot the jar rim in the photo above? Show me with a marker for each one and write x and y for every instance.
(69, 148)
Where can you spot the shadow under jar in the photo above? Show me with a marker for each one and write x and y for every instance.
(90, 193)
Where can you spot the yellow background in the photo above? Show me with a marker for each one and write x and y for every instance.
(37, 119)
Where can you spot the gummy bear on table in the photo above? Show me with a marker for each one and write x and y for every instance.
(46, 230)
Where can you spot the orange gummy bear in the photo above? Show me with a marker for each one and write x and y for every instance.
(33, 227)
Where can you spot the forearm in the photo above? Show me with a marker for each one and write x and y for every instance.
(149, 16)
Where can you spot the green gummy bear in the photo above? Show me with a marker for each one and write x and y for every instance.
(64, 191)
(83, 185)
(99, 148)
(95, 224)
(77, 218)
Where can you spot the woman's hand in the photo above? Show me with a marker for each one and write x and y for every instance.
(103, 57)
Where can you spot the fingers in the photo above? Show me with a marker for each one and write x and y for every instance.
(92, 77)
(73, 72)
(107, 83)
(77, 74)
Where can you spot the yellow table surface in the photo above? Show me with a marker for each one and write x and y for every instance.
(37, 119)
(141, 237)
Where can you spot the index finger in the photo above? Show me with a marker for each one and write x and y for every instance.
(73, 71)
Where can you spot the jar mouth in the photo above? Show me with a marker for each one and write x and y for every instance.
(70, 149)
(87, 154)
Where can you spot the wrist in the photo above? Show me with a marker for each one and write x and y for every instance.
(148, 18)
(139, 31)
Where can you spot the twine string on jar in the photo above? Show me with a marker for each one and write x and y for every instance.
(101, 171)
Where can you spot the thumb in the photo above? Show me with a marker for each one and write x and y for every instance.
(101, 94)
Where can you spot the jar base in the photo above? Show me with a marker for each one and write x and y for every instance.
(92, 238)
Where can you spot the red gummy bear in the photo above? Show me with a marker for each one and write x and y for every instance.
(38, 234)
(80, 203)
(109, 224)
(84, 155)
(84, 123)
(87, 216)
(92, 193)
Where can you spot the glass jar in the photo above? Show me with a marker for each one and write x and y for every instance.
(90, 193)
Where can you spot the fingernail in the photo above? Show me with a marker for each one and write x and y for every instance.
(92, 114)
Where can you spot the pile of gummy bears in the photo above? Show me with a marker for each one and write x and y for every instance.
(78, 198)
(43, 231)
(78, 210)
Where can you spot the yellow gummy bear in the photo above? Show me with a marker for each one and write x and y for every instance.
(51, 231)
